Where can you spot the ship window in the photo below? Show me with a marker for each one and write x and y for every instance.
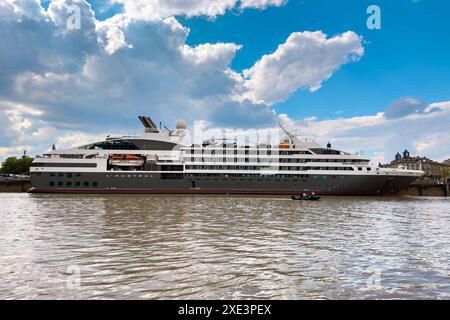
(52, 174)
(112, 145)
(60, 175)
(176, 176)
(68, 183)
(359, 169)
(95, 184)
(69, 175)
(51, 184)
(60, 183)
(77, 184)
(77, 174)
(86, 184)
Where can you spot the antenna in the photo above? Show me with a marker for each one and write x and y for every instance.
(290, 135)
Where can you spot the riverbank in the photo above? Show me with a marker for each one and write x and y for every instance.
(15, 184)
(427, 190)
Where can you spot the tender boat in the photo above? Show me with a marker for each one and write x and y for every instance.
(126, 160)
(306, 197)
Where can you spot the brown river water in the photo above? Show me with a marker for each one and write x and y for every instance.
(223, 247)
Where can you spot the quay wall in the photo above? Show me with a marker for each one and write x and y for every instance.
(427, 190)
(15, 185)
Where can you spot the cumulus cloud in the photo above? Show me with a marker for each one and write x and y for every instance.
(58, 82)
(423, 133)
(305, 60)
(56, 85)
(156, 9)
(261, 4)
(405, 106)
(373, 136)
(13, 9)
(144, 65)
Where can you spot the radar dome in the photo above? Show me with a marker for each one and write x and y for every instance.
(181, 124)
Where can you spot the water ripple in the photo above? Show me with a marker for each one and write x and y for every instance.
(223, 247)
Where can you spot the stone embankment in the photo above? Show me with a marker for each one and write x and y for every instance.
(15, 184)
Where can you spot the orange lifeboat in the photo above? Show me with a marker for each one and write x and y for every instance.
(126, 160)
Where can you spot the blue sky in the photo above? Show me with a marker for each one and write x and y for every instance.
(409, 56)
(233, 63)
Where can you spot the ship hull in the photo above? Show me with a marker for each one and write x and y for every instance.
(178, 183)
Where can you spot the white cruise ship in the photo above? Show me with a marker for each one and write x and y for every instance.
(158, 161)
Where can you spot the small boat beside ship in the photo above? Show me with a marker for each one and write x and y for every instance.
(306, 197)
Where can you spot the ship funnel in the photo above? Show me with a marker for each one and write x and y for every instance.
(148, 124)
(152, 124)
(141, 118)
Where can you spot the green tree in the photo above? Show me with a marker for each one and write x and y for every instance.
(14, 165)
(445, 172)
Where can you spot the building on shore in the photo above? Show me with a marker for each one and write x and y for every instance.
(434, 170)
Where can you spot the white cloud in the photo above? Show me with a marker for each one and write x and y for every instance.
(14, 9)
(432, 143)
(63, 83)
(305, 60)
(6, 152)
(405, 106)
(157, 9)
(424, 134)
(261, 4)
(60, 82)
(375, 136)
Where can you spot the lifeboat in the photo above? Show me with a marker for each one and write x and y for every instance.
(126, 160)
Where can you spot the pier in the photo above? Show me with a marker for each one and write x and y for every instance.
(15, 184)
(427, 190)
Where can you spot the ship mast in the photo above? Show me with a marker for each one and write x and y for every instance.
(290, 135)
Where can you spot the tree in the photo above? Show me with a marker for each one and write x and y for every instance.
(445, 172)
(14, 165)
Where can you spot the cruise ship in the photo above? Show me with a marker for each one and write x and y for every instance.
(159, 161)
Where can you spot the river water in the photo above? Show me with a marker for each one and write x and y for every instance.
(223, 247)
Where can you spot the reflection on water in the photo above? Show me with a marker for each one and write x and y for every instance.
(225, 247)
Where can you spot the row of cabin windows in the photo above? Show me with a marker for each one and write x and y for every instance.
(246, 152)
(269, 160)
(195, 167)
(112, 145)
(73, 184)
(261, 176)
(129, 176)
(233, 175)
(62, 174)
